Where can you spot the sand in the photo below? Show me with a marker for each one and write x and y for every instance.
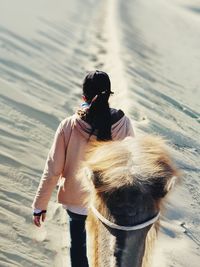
(151, 51)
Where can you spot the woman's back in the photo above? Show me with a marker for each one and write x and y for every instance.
(68, 149)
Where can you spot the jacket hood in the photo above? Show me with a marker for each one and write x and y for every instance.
(84, 128)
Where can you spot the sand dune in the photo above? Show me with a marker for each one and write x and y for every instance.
(151, 51)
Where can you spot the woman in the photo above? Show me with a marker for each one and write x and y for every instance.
(94, 121)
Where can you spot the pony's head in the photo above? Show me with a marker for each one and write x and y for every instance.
(135, 165)
(127, 181)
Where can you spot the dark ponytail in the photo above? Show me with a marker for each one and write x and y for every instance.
(96, 89)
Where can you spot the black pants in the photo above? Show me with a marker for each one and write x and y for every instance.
(78, 239)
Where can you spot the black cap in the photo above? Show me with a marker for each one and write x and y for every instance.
(95, 83)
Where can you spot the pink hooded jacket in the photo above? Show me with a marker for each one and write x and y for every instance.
(64, 157)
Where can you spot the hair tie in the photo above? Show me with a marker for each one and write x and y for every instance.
(94, 98)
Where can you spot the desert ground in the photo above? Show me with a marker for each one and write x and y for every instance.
(151, 51)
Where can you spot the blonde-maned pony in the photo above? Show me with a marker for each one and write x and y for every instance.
(126, 182)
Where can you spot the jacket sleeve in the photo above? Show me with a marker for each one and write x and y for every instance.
(129, 129)
(53, 169)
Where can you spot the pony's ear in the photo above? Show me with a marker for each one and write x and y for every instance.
(170, 184)
(88, 173)
(92, 177)
(159, 187)
(96, 179)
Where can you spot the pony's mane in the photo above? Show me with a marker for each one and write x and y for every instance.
(130, 162)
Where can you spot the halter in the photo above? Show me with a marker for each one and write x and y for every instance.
(124, 228)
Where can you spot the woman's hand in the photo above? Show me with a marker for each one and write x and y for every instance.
(37, 217)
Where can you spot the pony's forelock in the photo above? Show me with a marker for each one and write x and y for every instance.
(128, 162)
